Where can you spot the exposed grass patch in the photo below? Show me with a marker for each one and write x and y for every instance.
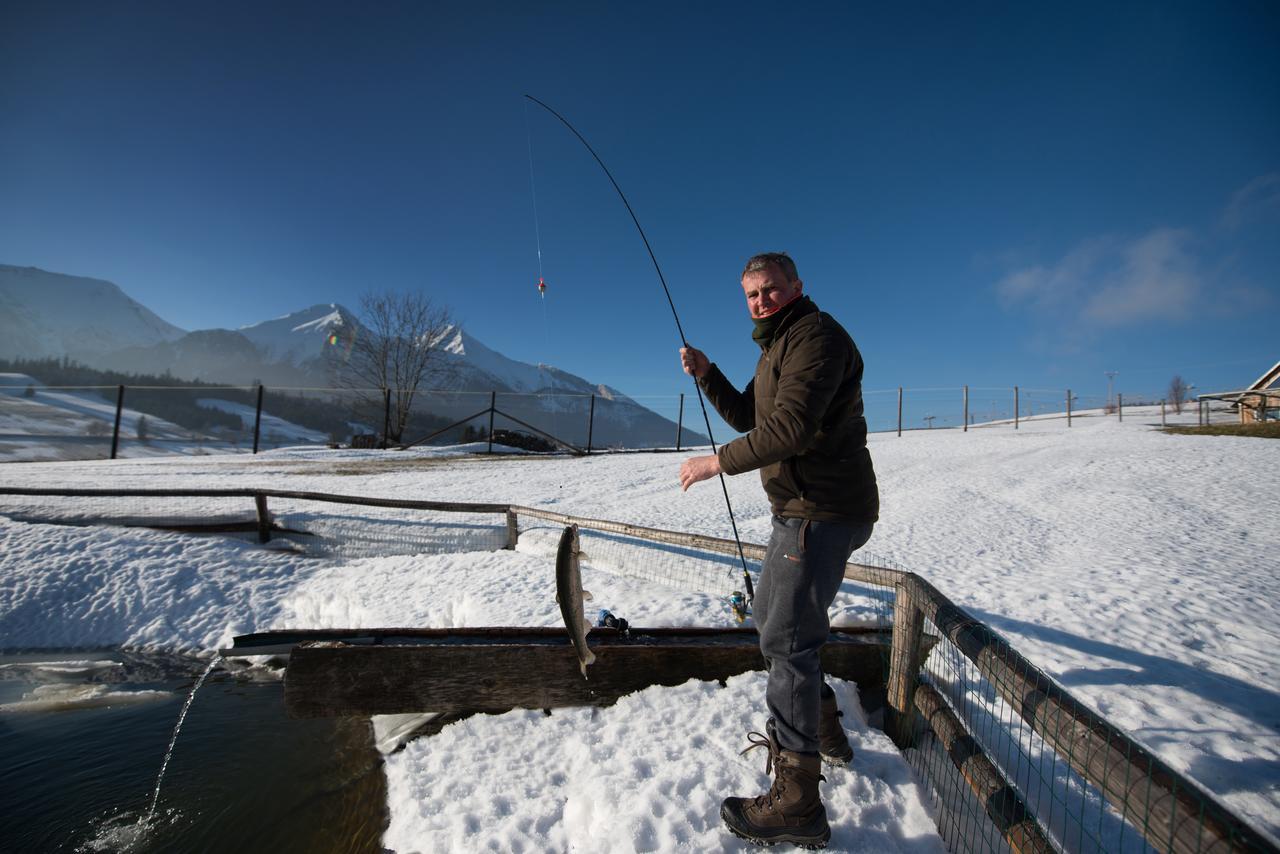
(1266, 430)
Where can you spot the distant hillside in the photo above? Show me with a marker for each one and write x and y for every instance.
(51, 314)
(94, 322)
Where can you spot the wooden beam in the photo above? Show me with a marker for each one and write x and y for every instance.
(999, 799)
(394, 671)
(904, 665)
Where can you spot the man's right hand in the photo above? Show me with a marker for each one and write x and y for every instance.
(694, 362)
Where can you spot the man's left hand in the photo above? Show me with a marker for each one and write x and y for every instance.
(696, 469)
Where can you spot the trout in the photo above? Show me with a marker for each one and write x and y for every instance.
(570, 596)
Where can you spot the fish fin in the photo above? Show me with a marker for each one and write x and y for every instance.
(589, 658)
(586, 596)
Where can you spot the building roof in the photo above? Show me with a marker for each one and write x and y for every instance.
(1268, 379)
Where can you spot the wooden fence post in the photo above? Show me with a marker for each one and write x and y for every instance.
(904, 663)
(115, 432)
(966, 409)
(1120, 405)
(493, 406)
(1016, 404)
(1162, 413)
(591, 422)
(680, 422)
(264, 518)
(513, 530)
(257, 420)
(899, 410)
(1068, 407)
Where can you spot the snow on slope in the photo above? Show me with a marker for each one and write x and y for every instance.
(466, 355)
(1131, 565)
(52, 314)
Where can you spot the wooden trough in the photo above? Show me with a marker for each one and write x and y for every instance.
(397, 671)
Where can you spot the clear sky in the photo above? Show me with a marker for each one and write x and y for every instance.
(991, 194)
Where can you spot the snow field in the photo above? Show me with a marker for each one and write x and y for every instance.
(646, 774)
(1131, 565)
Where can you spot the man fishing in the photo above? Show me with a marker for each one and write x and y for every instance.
(806, 434)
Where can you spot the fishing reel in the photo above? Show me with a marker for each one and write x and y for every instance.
(607, 620)
(738, 604)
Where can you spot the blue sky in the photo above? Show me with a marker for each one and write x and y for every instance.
(992, 195)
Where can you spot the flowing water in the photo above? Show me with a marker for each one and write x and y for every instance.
(82, 735)
(168, 754)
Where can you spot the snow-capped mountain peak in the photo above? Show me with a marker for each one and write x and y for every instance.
(301, 335)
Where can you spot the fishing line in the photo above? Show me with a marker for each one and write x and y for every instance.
(533, 189)
(680, 329)
(542, 294)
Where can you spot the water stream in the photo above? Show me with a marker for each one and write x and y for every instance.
(168, 754)
(81, 734)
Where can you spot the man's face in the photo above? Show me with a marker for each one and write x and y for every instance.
(768, 290)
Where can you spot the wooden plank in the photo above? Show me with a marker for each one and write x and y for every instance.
(492, 670)
(1172, 812)
(998, 797)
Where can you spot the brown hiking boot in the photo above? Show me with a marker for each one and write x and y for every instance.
(791, 810)
(833, 744)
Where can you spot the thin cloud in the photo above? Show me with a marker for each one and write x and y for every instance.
(1109, 282)
(1254, 201)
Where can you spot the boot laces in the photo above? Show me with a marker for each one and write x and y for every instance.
(757, 739)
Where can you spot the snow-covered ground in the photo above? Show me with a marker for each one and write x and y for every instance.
(70, 424)
(1136, 567)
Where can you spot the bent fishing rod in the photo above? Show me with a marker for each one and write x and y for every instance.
(746, 576)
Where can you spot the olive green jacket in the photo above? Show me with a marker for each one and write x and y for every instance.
(803, 408)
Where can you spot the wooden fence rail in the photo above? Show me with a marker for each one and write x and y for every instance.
(1173, 813)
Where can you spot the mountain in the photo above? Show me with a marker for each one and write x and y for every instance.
(300, 337)
(93, 321)
(46, 314)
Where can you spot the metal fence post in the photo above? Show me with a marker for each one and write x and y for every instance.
(386, 416)
(115, 432)
(966, 409)
(899, 410)
(680, 422)
(1015, 407)
(493, 405)
(257, 420)
(591, 422)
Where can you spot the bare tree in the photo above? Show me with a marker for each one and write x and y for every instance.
(396, 348)
(1178, 389)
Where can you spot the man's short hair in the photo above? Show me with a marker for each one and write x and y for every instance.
(765, 260)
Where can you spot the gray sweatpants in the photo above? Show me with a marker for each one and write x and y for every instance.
(802, 572)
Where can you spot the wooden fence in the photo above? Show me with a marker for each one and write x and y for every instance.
(1173, 813)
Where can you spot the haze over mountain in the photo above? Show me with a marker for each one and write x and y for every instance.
(51, 314)
(93, 321)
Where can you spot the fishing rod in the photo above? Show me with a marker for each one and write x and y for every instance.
(746, 576)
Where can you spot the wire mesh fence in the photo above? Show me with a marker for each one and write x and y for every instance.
(40, 422)
(1011, 760)
(1015, 763)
